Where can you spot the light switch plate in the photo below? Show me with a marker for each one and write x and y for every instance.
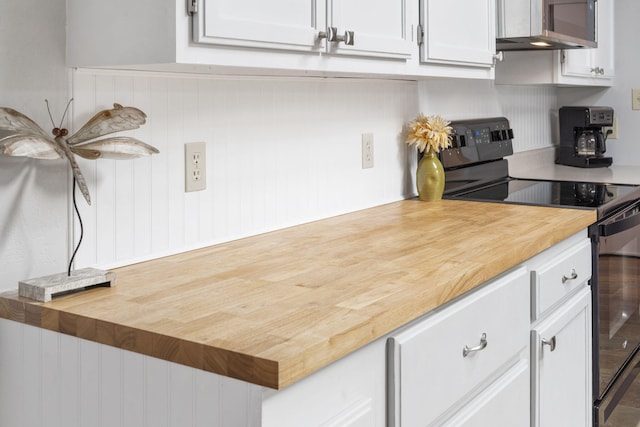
(635, 102)
(195, 166)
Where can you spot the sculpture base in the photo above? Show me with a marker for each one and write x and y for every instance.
(44, 288)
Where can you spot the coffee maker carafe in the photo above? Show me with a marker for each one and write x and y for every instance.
(582, 140)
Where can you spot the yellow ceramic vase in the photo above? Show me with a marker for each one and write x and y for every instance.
(430, 177)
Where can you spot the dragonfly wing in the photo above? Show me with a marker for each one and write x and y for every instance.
(14, 121)
(109, 121)
(30, 145)
(114, 148)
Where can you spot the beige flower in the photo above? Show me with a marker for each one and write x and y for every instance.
(431, 133)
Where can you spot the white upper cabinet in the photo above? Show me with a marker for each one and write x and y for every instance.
(458, 31)
(260, 23)
(285, 37)
(359, 27)
(569, 67)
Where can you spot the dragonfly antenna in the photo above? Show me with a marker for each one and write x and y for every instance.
(63, 114)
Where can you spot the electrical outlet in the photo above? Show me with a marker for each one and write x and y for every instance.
(195, 166)
(367, 150)
(635, 99)
(613, 130)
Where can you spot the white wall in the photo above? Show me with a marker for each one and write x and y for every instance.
(33, 193)
(626, 149)
(280, 152)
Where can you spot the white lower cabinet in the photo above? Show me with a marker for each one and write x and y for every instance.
(515, 352)
(561, 335)
(464, 356)
(561, 365)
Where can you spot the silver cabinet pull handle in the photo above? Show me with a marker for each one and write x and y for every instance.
(573, 276)
(483, 343)
(332, 35)
(348, 38)
(551, 343)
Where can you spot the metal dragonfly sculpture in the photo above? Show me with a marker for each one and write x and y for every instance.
(23, 137)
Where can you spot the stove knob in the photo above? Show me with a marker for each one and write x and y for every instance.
(495, 135)
(454, 140)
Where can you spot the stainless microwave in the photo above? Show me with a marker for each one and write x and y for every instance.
(546, 24)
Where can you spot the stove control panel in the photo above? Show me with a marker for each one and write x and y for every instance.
(477, 141)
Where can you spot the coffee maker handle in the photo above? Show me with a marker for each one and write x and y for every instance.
(601, 143)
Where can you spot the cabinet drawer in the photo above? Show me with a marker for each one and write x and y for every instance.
(428, 373)
(559, 275)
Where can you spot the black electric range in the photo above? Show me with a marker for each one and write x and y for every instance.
(476, 170)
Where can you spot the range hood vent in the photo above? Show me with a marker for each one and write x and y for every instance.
(546, 24)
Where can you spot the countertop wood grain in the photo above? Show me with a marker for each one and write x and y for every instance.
(274, 308)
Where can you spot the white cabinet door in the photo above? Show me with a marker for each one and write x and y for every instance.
(598, 62)
(277, 24)
(380, 27)
(458, 31)
(561, 365)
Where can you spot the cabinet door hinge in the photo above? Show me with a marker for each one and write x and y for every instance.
(420, 35)
(192, 7)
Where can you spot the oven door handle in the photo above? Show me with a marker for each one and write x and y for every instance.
(624, 224)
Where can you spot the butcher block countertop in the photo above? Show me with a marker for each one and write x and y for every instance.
(274, 308)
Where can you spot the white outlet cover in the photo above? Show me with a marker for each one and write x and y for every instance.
(367, 150)
(195, 166)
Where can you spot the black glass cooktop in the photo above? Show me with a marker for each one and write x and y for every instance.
(585, 195)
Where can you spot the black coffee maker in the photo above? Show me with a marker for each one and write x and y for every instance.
(582, 140)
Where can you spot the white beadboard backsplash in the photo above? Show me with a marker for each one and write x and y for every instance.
(531, 110)
(279, 152)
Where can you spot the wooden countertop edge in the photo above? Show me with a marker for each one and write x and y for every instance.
(274, 374)
(225, 362)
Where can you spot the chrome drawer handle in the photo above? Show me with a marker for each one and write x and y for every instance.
(483, 343)
(573, 276)
(551, 343)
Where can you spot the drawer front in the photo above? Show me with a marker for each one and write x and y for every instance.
(559, 277)
(428, 372)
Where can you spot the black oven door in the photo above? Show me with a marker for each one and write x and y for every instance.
(616, 305)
